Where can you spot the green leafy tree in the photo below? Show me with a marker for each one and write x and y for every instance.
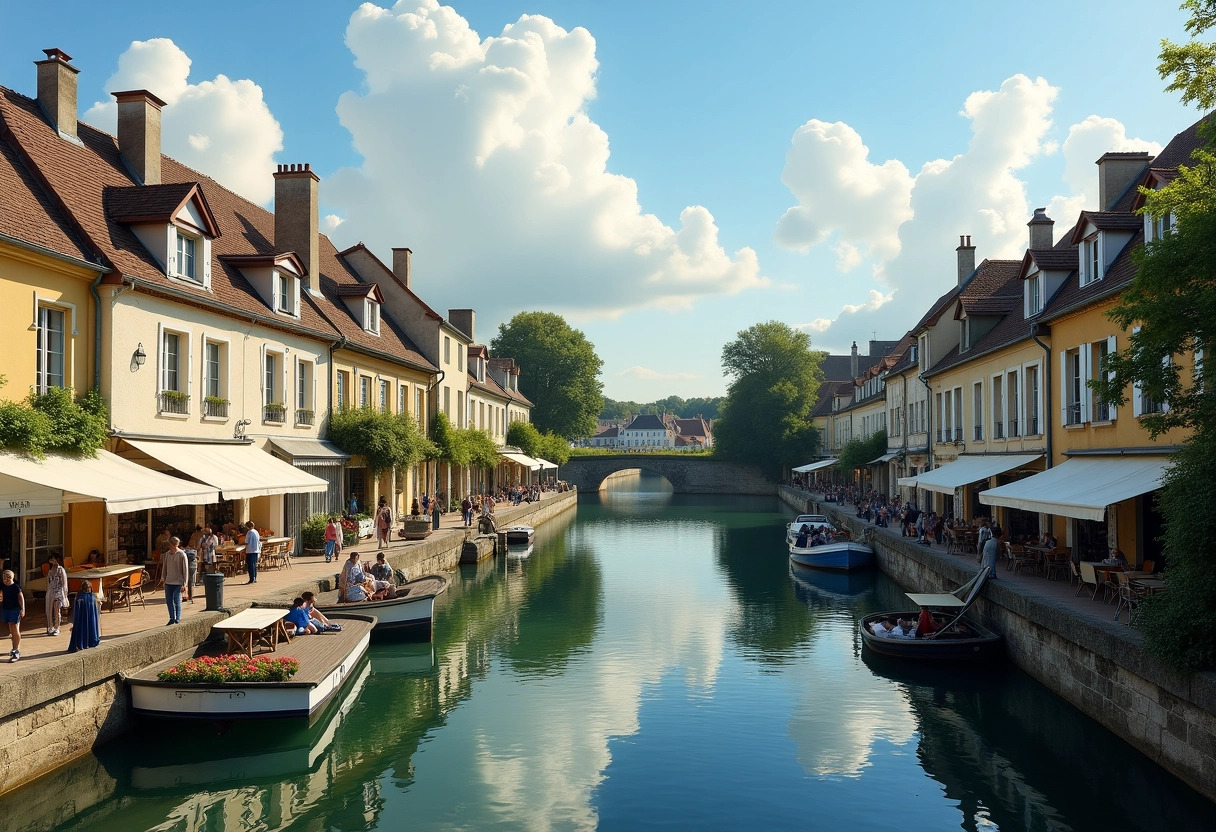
(857, 452)
(482, 451)
(554, 448)
(384, 440)
(765, 418)
(449, 443)
(525, 436)
(559, 371)
(54, 421)
(1172, 301)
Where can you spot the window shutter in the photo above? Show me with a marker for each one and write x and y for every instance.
(1165, 362)
(1137, 410)
(1063, 387)
(1110, 350)
(262, 377)
(163, 375)
(1085, 355)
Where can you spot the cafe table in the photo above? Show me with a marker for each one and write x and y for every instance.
(100, 577)
(254, 628)
(1153, 585)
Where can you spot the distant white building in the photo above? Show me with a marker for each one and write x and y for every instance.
(648, 431)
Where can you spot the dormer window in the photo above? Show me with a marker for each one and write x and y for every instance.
(1091, 259)
(1034, 294)
(371, 316)
(275, 277)
(286, 293)
(186, 248)
(1156, 228)
(174, 224)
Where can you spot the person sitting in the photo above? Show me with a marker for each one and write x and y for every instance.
(380, 570)
(350, 579)
(925, 625)
(1116, 558)
(803, 535)
(299, 618)
(322, 622)
(892, 627)
(1049, 540)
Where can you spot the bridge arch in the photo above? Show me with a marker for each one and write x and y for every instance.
(687, 474)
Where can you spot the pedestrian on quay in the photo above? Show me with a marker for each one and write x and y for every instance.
(435, 514)
(384, 523)
(332, 533)
(253, 548)
(175, 566)
(992, 550)
(206, 546)
(466, 511)
(86, 620)
(12, 610)
(56, 594)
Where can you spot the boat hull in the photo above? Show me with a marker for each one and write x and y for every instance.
(252, 700)
(842, 556)
(519, 535)
(408, 616)
(981, 646)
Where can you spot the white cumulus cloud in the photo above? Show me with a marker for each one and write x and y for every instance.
(1087, 141)
(479, 154)
(221, 127)
(638, 371)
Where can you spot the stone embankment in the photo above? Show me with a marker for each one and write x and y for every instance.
(57, 708)
(1098, 666)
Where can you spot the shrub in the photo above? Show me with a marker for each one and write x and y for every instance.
(312, 533)
(231, 668)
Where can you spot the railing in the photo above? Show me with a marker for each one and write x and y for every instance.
(216, 410)
(171, 401)
(958, 434)
(1073, 413)
(274, 413)
(998, 430)
(1034, 426)
(1103, 412)
(304, 417)
(979, 433)
(1013, 429)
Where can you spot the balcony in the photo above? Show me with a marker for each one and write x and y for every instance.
(304, 417)
(215, 408)
(998, 430)
(174, 402)
(274, 413)
(979, 433)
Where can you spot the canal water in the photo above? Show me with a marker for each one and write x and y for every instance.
(655, 663)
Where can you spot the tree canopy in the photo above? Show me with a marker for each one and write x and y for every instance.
(559, 371)
(857, 452)
(765, 418)
(548, 446)
(54, 421)
(1170, 308)
(706, 407)
(384, 440)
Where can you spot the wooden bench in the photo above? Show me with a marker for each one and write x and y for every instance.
(255, 628)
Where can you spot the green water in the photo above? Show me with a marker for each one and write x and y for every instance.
(654, 664)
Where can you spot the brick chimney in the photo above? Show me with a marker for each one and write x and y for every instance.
(296, 224)
(57, 91)
(966, 258)
(139, 133)
(1115, 172)
(401, 265)
(853, 361)
(1041, 234)
(462, 319)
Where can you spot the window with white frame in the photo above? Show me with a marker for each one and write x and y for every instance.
(977, 408)
(447, 351)
(1074, 380)
(187, 256)
(998, 408)
(1142, 403)
(941, 427)
(447, 401)
(1103, 411)
(213, 379)
(272, 380)
(286, 293)
(1033, 425)
(1155, 228)
(343, 383)
(418, 414)
(172, 377)
(1034, 294)
(365, 391)
(1091, 259)
(1012, 402)
(460, 351)
(958, 414)
(371, 316)
(401, 397)
(384, 396)
(923, 352)
(461, 415)
(51, 349)
(304, 382)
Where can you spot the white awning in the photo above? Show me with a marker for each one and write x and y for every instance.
(544, 463)
(967, 469)
(48, 485)
(1082, 487)
(240, 471)
(814, 466)
(884, 458)
(521, 459)
(311, 451)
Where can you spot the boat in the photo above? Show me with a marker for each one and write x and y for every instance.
(825, 584)
(408, 614)
(842, 555)
(327, 662)
(810, 520)
(958, 638)
(519, 534)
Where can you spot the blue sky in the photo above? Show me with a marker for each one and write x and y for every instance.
(551, 168)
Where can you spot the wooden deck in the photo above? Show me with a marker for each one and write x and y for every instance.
(317, 654)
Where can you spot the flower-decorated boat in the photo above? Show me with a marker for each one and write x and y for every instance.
(297, 678)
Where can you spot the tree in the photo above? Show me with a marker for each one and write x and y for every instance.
(857, 452)
(559, 371)
(525, 436)
(554, 448)
(482, 451)
(450, 446)
(384, 440)
(1171, 307)
(54, 421)
(765, 418)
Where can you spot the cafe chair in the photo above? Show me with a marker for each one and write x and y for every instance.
(1130, 596)
(132, 586)
(1057, 563)
(1149, 566)
(1088, 577)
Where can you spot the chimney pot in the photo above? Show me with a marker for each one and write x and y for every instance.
(401, 265)
(57, 91)
(966, 258)
(139, 133)
(296, 219)
(1116, 171)
(1041, 230)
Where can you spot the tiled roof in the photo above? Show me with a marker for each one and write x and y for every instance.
(28, 213)
(691, 427)
(155, 203)
(1057, 259)
(1106, 221)
(827, 394)
(1179, 150)
(608, 433)
(1120, 273)
(1000, 280)
(647, 421)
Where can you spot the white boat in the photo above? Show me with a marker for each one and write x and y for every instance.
(522, 535)
(409, 614)
(327, 661)
(808, 520)
(843, 555)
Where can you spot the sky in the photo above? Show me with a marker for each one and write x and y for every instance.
(663, 175)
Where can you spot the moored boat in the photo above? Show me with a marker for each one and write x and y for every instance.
(811, 521)
(327, 661)
(956, 637)
(522, 535)
(408, 614)
(842, 555)
(825, 584)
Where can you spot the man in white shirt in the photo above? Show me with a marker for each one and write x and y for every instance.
(253, 548)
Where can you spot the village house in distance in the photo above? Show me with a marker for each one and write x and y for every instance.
(649, 432)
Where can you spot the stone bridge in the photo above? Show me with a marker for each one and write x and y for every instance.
(687, 474)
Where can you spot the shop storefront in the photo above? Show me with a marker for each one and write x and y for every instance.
(321, 460)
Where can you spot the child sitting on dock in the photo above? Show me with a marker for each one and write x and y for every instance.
(299, 618)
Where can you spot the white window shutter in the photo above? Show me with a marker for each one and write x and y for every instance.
(1085, 355)
(1137, 410)
(1165, 406)
(1110, 350)
(262, 376)
(160, 345)
(1063, 387)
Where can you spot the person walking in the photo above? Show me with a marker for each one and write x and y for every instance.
(435, 514)
(175, 566)
(253, 548)
(466, 511)
(332, 533)
(12, 610)
(206, 546)
(384, 523)
(86, 620)
(992, 550)
(56, 594)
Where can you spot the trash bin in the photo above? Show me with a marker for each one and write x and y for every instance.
(213, 586)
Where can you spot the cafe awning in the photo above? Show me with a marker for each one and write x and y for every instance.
(238, 470)
(310, 451)
(29, 486)
(967, 469)
(884, 458)
(814, 466)
(1081, 487)
(521, 459)
(544, 463)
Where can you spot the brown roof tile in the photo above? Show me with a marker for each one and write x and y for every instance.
(28, 213)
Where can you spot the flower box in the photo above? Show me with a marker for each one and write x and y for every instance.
(231, 668)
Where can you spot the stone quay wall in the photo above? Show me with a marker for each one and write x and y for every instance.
(1100, 667)
(57, 709)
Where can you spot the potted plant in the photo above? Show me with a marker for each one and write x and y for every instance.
(215, 406)
(274, 412)
(312, 534)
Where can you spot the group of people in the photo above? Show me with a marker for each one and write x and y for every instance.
(894, 627)
(306, 618)
(358, 584)
(812, 536)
